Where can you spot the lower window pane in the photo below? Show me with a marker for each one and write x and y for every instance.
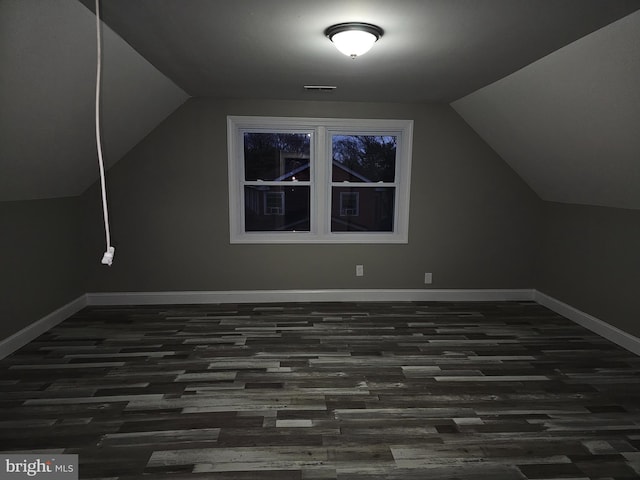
(275, 209)
(357, 209)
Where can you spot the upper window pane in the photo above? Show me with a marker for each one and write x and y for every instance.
(363, 158)
(277, 156)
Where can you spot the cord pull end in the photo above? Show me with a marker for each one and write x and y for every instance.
(107, 258)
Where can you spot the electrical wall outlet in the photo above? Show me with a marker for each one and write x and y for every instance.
(428, 278)
(359, 270)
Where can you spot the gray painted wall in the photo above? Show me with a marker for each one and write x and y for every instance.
(473, 221)
(474, 224)
(590, 259)
(40, 258)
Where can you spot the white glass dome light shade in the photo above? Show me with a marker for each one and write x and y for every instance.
(354, 43)
(354, 39)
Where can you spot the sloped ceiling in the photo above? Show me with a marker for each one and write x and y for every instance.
(577, 148)
(569, 123)
(47, 94)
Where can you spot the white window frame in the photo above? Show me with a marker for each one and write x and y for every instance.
(320, 184)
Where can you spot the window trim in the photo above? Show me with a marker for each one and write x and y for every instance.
(320, 182)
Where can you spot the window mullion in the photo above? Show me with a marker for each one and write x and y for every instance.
(321, 183)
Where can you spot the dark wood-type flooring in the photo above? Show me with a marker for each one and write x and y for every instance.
(348, 391)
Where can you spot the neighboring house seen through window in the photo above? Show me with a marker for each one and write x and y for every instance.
(297, 180)
(349, 204)
(274, 203)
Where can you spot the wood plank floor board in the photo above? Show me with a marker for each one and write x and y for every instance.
(326, 391)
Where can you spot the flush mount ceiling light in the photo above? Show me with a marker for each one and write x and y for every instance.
(354, 38)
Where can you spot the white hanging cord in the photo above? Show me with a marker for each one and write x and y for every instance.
(107, 258)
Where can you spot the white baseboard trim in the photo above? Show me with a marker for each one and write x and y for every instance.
(37, 328)
(604, 329)
(29, 333)
(337, 295)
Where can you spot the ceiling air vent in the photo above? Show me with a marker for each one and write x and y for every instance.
(320, 88)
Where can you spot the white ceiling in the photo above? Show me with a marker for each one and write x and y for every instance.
(47, 93)
(569, 124)
(432, 51)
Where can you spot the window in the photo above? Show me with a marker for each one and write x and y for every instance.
(298, 180)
